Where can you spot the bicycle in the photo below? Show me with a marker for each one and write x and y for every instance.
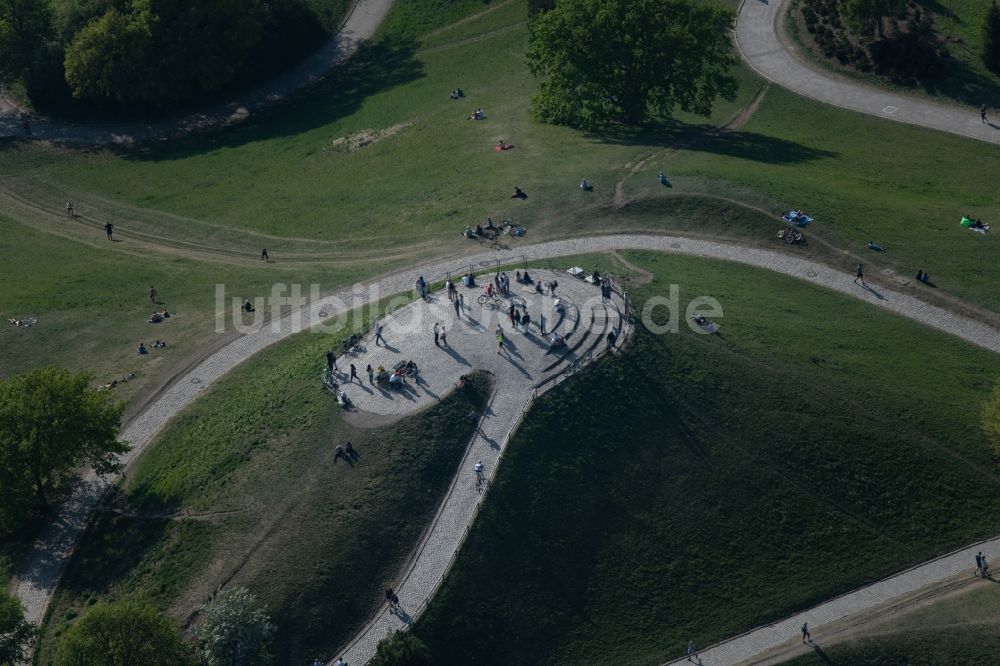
(491, 299)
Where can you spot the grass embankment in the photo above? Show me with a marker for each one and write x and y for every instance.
(242, 489)
(958, 629)
(958, 23)
(817, 444)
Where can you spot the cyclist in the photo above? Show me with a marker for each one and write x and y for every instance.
(479, 472)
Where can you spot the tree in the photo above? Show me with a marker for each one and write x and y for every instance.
(122, 634)
(991, 38)
(402, 649)
(864, 16)
(15, 632)
(108, 58)
(234, 630)
(606, 60)
(24, 27)
(51, 423)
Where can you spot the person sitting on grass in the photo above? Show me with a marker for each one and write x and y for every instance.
(159, 344)
(585, 186)
(489, 224)
(248, 306)
(141, 349)
(518, 194)
(662, 178)
(469, 233)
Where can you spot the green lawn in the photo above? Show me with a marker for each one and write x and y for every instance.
(955, 646)
(242, 489)
(738, 478)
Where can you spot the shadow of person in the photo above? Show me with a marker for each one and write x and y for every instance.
(394, 350)
(874, 292)
(458, 357)
(398, 611)
(819, 653)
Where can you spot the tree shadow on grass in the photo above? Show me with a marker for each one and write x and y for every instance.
(711, 139)
(376, 66)
(123, 531)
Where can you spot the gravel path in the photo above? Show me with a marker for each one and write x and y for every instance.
(36, 582)
(759, 42)
(363, 20)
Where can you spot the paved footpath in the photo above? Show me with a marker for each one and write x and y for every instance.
(743, 648)
(36, 582)
(759, 43)
(363, 20)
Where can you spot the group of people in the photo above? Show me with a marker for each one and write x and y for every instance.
(502, 282)
(478, 114)
(923, 277)
(158, 344)
(158, 316)
(457, 93)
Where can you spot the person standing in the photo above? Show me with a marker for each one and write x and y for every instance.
(152, 293)
(985, 567)
(26, 126)
(500, 342)
(457, 304)
(692, 653)
(331, 362)
(354, 374)
(444, 336)
(109, 229)
(982, 112)
(979, 563)
(371, 374)
(461, 302)
(70, 209)
(437, 334)
(449, 287)
(541, 324)
(806, 636)
(861, 275)
(378, 334)
(263, 256)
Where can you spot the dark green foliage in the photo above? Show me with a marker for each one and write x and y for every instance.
(402, 649)
(867, 16)
(625, 60)
(122, 634)
(15, 632)
(912, 54)
(540, 6)
(991, 38)
(25, 25)
(51, 423)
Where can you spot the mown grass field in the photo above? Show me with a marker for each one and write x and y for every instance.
(242, 489)
(696, 486)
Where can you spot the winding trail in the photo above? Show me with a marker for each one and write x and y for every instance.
(361, 23)
(759, 40)
(37, 580)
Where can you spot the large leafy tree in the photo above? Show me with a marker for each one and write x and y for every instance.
(122, 634)
(402, 649)
(991, 38)
(624, 60)
(51, 423)
(235, 630)
(991, 419)
(15, 632)
(866, 16)
(24, 27)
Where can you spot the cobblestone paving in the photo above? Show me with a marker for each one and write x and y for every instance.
(745, 647)
(37, 580)
(761, 46)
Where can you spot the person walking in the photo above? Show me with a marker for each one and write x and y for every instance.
(457, 304)
(985, 566)
(444, 336)
(461, 302)
(541, 324)
(806, 636)
(354, 374)
(371, 374)
(263, 256)
(692, 653)
(378, 335)
(449, 287)
(437, 335)
(26, 126)
(500, 342)
(331, 362)
(982, 112)
(152, 293)
(391, 598)
(70, 209)
(861, 275)
(109, 229)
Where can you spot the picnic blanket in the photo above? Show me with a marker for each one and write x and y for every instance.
(797, 217)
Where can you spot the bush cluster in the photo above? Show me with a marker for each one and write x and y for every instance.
(908, 52)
